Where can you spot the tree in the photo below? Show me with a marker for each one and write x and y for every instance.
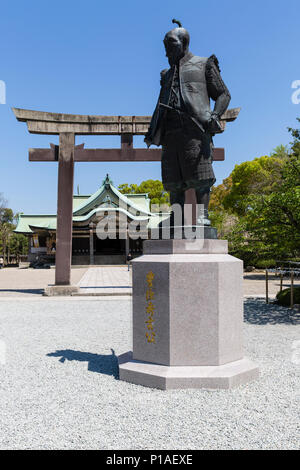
(257, 206)
(154, 189)
(259, 176)
(128, 189)
(275, 217)
(13, 242)
(6, 226)
(221, 218)
(3, 203)
(18, 245)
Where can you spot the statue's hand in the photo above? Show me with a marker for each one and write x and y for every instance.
(213, 124)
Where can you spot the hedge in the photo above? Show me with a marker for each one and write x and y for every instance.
(284, 297)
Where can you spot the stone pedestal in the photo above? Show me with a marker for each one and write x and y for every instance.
(186, 232)
(52, 291)
(187, 317)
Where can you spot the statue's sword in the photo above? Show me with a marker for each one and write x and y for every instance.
(184, 114)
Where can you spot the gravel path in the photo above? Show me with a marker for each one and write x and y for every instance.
(58, 387)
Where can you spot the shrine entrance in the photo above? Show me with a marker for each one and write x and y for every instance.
(67, 126)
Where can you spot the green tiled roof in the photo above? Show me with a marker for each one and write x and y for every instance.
(78, 201)
(108, 198)
(47, 222)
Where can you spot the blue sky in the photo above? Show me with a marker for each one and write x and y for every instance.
(101, 57)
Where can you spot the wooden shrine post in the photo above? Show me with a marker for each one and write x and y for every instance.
(63, 255)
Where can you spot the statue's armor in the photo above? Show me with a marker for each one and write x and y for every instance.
(183, 133)
(192, 81)
(193, 91)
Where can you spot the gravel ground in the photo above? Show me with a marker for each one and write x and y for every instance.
(59, 387)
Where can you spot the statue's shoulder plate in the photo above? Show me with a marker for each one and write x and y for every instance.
(213, 61)
(164, 76)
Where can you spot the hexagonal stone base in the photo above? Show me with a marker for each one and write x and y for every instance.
(197, 302)
(187, 317)
(179, 377)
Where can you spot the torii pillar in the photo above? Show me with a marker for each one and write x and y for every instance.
(67, 126)
(65, 185)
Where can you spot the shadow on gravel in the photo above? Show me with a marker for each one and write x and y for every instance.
(105, 287)
(261, 277)
(101, 363)
(24, 291)
(257, 312)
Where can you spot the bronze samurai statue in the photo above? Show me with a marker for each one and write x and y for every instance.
(183, 122)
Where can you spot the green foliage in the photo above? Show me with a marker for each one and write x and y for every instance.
(18, 244)
(6, 215)
(10, 242)
(257, 208)
(128, 189)
(219, 193)
(284, 297)
(266, 264)
(154, 189)
(260, 176)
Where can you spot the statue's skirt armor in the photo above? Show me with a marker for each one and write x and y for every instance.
(186, 156)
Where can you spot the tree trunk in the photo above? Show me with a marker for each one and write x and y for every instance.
(4, 251)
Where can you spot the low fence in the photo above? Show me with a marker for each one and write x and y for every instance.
(288, 272)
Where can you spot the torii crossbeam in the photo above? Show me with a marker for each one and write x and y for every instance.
(67, 126)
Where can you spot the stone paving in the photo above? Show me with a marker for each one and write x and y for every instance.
(106, 280)
(255, 284)
(15, 282)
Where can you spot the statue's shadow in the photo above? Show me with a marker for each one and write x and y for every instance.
(100, 363)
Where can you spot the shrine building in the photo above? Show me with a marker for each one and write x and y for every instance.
(88, 211)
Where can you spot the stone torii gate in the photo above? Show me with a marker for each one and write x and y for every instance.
(67, 126)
